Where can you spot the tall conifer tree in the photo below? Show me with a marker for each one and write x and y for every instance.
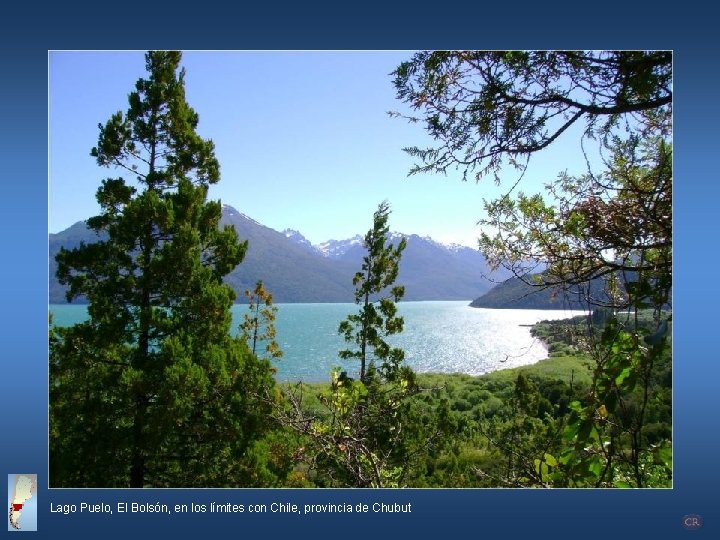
(152, 390)
(378, 317)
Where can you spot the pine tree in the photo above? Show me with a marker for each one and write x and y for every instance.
(153, 390)
(378, 317)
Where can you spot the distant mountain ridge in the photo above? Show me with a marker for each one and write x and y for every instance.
(294, 270)
(298, 238)
(516, 293)
(336, 249)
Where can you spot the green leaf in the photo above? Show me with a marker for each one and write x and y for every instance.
(584, 431)
(575, 406)
(663, 455)
(567, 456)
(624, 374)
(571, 431)
(621, 484)
(595, 466)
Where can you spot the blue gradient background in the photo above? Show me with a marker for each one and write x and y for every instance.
(689, 30)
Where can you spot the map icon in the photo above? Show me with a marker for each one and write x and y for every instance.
(22, 502)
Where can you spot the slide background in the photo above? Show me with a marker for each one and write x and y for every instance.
(689, 28)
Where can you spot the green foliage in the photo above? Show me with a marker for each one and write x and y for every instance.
(378, 317)
(544, 425)
(614, 227)
(607, 441)
(272, 460)
(502, 429)
(610, 419)
(485, 108)
(152, 390)
(359, 433)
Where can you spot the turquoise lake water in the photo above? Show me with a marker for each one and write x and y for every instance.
(447, 337)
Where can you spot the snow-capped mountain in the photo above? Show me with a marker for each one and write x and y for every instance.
(228, 212)
(298, 238)
(430, 270)
(296, 271)
(334, 249)
(450, 247)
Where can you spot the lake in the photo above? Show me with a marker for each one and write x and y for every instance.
(439, 336)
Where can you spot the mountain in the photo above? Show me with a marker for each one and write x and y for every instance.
(429, 270)
(426, 263)
(514, 293)
(298, 238)
(294, 270)
(70, 238)
(289, 270)
(337, 249)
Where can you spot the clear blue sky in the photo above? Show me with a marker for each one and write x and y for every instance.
(303, 139)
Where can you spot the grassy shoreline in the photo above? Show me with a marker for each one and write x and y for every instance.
(563, 363)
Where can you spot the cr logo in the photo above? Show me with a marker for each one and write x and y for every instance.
(692, 521)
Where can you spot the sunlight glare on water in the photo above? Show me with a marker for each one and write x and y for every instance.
(439, 336)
